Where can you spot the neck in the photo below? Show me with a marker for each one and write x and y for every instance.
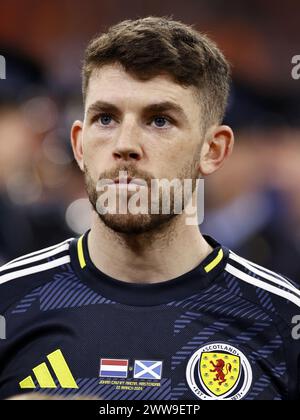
(150, 257)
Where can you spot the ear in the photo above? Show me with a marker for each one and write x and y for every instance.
(77, 143)
(217, 146)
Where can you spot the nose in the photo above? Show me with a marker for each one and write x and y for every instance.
(128, 146)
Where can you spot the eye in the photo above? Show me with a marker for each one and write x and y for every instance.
(161, 121)
(104, 119)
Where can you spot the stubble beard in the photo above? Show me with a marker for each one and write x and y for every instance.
(136, 224)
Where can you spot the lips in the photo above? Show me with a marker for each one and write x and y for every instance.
(122, 180)
(130, 180)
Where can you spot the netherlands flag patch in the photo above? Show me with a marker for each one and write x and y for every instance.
(114, 368)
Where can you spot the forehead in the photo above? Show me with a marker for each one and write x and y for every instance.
(112, 83)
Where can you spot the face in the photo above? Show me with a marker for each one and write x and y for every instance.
(151, 129)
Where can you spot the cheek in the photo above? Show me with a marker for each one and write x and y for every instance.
(95, 163)
(181, 155)
(172, 165)
(94, 152)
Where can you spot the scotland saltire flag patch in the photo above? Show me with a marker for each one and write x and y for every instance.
(147, 369)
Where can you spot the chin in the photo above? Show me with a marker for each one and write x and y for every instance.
(134, 224)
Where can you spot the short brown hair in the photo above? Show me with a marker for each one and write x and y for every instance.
(153, 45)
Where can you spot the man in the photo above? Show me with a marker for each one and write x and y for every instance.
(143, 306)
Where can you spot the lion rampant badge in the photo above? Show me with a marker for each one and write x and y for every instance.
(219, 371)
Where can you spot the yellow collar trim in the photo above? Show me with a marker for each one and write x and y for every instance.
(80, 252)
(214, 262)
(207, 268)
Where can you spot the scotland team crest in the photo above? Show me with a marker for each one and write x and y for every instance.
(219, 371)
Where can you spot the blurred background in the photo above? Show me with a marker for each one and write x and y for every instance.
(252, 204)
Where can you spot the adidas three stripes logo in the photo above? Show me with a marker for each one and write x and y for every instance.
(44, 377)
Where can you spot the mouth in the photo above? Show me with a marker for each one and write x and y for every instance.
(129, 180)
(123, 180)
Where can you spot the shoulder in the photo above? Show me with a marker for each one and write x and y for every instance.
(32, 270)
(263, 284)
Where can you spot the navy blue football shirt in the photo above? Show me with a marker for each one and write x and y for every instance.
(220, 331)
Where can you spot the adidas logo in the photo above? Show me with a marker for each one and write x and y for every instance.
(43, 375)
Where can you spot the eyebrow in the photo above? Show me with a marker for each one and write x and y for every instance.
(164, 106)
